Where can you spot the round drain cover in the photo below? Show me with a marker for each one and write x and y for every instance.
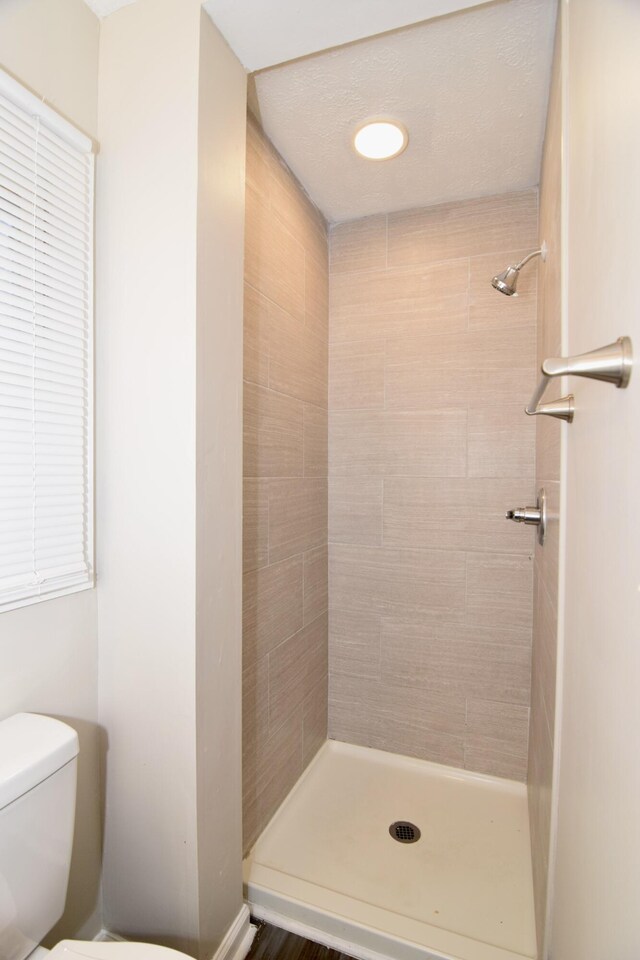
(404, 832)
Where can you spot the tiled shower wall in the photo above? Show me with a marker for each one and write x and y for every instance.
(430, 587)
(546, 568)
(285, 487)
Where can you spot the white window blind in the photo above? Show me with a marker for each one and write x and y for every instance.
(46, 351)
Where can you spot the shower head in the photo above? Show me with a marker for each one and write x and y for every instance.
(507, 281)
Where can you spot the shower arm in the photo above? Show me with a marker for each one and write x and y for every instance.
(542, 252)
(612, 364)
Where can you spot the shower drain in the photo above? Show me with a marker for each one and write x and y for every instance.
(404, 832)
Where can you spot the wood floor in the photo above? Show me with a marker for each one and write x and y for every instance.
(272, 943)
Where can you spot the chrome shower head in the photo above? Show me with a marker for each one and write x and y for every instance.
(507, 281)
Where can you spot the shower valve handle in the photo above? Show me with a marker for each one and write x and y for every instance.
(524, 515)
(533, 516)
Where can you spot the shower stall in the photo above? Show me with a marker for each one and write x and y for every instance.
(399, 634)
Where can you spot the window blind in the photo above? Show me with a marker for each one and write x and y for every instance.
(46, 351)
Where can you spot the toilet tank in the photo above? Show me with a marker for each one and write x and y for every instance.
(37, 809)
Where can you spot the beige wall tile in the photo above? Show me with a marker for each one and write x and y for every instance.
(410, 301)
(509, 634)
(355, 510)
(316, 440)
(315, 720)
(501, 441)
(419, 708)
(544, 651)
(279, 765)
(437, 419)
(255, 524)
(461, 514)
(474, 369)
(255, 707)
(316, 300)
(272, 606)
(485, 757)
(548, 440)
(255, 721)
(258, 173)
(540, 781)
(499, 590)
(425, 444)
(386, 580)
(316, 583)
(297, 516)
(293, 206)
(358, 245)
(505, 723)
(273, 441)
(399, 720)
(377, 444)
(415, 654)
(274, 259)
(497, 737)
(357, 375)
(463, 229)
(548, 555)
(490, 310)
(256, 336)
(350, 715)
(297, 359)
(295, 667)
(401, 736)
(285, 461)
(354, 642)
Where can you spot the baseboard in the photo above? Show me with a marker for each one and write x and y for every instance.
(235, 945)
(302, 929)
(238, 938)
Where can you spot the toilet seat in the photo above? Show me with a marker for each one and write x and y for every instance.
(112, 950)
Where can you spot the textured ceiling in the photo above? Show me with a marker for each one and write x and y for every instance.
(262, 34)
(471, 88)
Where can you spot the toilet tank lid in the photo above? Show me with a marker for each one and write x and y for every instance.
(32, 747)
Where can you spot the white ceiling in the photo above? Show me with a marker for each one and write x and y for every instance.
(102, 8)
(266, 32)
(471, 88)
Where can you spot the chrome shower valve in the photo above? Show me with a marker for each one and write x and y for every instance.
(533, 516)
(524, 515)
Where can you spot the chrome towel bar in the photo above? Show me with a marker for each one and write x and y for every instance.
(611, 364)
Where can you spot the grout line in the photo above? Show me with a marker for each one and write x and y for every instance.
(509, 252)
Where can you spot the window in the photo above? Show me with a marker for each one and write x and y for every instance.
(46, 351)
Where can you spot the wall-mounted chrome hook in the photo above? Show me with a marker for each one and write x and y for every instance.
(535, 516)
(611, 364)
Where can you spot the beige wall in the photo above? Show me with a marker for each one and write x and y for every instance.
(48, 651)
(430, 587)
(221, 189)
(285, 487)
(597, 881)
(52, 47)
(170, 196)
(145, 347)
(546, 567)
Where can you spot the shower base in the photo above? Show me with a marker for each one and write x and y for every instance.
(327, 867)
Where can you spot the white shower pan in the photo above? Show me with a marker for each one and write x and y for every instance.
(326, 866)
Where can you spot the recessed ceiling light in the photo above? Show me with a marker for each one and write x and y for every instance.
(380, 139)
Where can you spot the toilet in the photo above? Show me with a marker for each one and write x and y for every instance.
(38, 761)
